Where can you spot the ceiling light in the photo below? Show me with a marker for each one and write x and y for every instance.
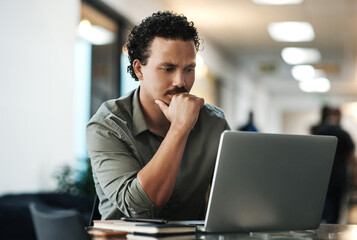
(201, 68)
(320, 73)
(296, 56)
(355, 111)
(291, 31)
(277, 2)
(303, 72)
(96, 35)
(84, 26)
(315, 85)
(199, 60)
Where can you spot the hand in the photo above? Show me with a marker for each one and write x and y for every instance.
(183, 110)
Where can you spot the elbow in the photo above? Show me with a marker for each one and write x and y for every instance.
(158, 194)
(159, 199)
(160, 202)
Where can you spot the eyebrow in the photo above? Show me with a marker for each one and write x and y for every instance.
(167, 64)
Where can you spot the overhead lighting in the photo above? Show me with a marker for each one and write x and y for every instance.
(84, 26)
(291, 31)
(294, 56)
(201, 68)
(277, 2)
(199, 60)
(303, 72)
(320, 73)
(310, 79)
(96, 35)
(315, 85)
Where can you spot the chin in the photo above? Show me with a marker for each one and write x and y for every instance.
(167, 99)
(167, 102)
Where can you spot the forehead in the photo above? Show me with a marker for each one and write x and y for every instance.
(172, 50)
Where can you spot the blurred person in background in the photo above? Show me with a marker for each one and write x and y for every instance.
(249, 126)
(339, 181)
(325, 110)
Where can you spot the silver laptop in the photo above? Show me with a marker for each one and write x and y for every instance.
(269, 182)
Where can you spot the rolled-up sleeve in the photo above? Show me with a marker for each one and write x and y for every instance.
(115, 166)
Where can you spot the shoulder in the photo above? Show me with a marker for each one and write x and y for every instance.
(115, 116)
(212, 117)
(110, 124)
(115, 108)
(211, 111)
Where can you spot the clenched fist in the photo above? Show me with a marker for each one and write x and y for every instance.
(183, 110)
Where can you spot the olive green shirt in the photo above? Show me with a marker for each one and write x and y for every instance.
(120, 144)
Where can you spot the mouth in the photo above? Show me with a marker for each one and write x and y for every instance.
(170, 93)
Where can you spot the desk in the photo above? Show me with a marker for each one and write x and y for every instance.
(324, 232)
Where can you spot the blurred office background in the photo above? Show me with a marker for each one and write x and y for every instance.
(61, 59)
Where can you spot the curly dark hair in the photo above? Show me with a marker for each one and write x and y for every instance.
(161, 24)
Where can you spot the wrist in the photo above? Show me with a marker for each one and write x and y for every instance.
(179, 131)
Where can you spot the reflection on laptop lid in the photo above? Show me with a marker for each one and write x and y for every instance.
(269, 182)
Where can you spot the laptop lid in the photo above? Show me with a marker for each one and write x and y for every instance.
(269, 182)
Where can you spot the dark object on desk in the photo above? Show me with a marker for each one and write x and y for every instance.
(145, 220)
(57, 224)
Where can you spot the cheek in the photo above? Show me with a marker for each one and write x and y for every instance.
(163, 80)
(190, 81)
(159, 83)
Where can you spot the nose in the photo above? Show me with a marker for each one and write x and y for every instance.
(179, 79)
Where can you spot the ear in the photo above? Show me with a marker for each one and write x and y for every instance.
(137, 69)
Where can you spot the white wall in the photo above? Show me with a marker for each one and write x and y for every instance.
(36, 89)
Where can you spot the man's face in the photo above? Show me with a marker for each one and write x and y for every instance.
(170, 69)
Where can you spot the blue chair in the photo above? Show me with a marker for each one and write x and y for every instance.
(57, 224)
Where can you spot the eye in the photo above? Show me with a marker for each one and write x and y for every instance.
(191, 69)
(169, 69)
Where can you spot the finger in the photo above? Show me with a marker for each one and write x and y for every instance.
(163, 107)
(201, 102)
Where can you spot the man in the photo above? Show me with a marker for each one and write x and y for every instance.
(153, 151)
(325, 112)
(344, 154)
(249, 126)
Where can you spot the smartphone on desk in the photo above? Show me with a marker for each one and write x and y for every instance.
(145, 220)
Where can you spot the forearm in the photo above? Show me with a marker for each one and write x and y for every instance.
(158, 177)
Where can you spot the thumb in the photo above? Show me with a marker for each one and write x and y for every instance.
(163, 107)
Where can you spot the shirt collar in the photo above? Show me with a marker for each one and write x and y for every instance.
(139, 123)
